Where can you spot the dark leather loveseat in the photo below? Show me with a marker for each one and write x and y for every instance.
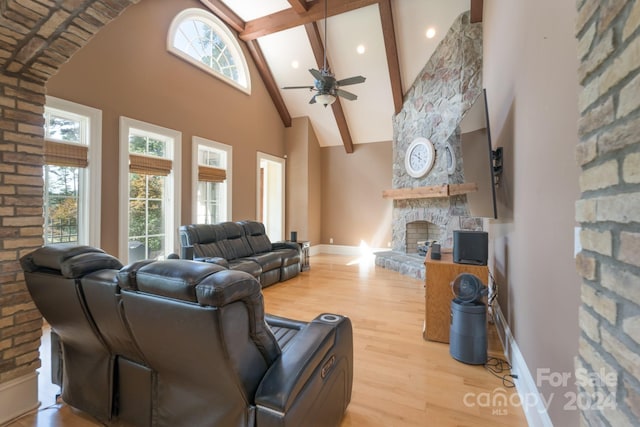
(244, 246)
(185, 343)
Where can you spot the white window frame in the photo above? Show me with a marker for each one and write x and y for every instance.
(196, 143)
(89, 229)
(174, 149)
(260, 157)
(225, 34)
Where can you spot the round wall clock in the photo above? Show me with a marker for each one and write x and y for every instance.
(420, 157)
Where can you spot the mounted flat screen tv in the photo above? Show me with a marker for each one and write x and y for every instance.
(478, 159)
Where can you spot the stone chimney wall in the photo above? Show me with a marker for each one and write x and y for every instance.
(608, 364)
(36, 38)
(446, 88)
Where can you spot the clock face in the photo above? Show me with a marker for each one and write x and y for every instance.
(420, 157)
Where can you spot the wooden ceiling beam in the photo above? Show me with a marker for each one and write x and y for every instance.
(318, 52)
(475, 11)
(391, 48)
(316, 43)
(300, 6)
(269, 81)
(343, 127)
(289, 18)
(234, 21)
(223, 12)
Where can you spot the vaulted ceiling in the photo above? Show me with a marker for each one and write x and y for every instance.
(382, 40)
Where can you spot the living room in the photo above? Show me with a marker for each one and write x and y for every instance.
(529, 70)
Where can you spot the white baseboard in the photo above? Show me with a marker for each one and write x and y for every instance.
(536, 413)
(314, 250)
(18, 396)
(341, 250)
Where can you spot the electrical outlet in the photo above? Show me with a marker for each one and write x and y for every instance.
(331, 240)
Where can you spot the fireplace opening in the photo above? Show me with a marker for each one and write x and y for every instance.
(419, 233)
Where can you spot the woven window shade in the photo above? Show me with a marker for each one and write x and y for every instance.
(62, 154)
(147, 165)
(209, 174)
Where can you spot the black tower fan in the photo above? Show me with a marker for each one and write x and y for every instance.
(468, 333)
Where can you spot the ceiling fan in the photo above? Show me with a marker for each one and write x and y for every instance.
(326, 86)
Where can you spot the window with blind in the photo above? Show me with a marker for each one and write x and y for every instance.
(71, 173)
(212, 194)
(150, 182)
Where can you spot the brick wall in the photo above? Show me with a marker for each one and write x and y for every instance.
(36, 37)
(608, 365)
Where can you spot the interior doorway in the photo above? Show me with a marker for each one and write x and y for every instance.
(271, 203)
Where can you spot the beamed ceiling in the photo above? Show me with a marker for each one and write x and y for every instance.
(282, 33)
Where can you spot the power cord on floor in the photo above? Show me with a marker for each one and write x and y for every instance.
(493, 295)
(497, 367)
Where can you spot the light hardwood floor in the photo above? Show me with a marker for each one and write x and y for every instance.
(399, 378)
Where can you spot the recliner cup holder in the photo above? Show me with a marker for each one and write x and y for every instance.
(330, 318)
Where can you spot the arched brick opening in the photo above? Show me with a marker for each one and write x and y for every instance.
(35, 40)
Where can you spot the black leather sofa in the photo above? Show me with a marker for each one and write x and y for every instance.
(185, 343)
(244, 246)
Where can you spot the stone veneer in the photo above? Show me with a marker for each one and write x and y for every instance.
(608, 151)
(36, 38)
(433, 108)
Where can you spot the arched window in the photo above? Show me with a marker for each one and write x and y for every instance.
(203, 40)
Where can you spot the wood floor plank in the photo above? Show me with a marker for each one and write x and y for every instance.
(399, 378)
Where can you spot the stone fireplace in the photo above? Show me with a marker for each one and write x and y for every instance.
(433, 108)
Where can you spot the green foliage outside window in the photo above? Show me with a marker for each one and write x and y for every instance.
(63, 129)
(61, 207)
(145, 145)
(146, 213)
(206, 46)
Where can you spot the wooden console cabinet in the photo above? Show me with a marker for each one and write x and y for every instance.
(438, 294)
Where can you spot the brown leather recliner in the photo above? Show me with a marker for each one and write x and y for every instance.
(187, 343)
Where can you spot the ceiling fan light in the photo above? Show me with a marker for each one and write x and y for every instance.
(326, 99)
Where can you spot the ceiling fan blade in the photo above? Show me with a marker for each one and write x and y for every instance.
(347, 95)
(298, 87)
(313, 100)
(316, 74)
(351, 81)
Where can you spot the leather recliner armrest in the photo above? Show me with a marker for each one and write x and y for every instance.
(284, 322)
(288, 375)
(311, 382)
(285, 245)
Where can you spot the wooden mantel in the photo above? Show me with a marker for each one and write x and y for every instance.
(432, 191)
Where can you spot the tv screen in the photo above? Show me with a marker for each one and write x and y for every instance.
(477, 159)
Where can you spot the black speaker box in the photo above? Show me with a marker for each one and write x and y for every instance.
(470, 247)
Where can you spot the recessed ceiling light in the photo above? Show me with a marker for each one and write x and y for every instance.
(431, 33)
(360, 49)
(295, 64)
